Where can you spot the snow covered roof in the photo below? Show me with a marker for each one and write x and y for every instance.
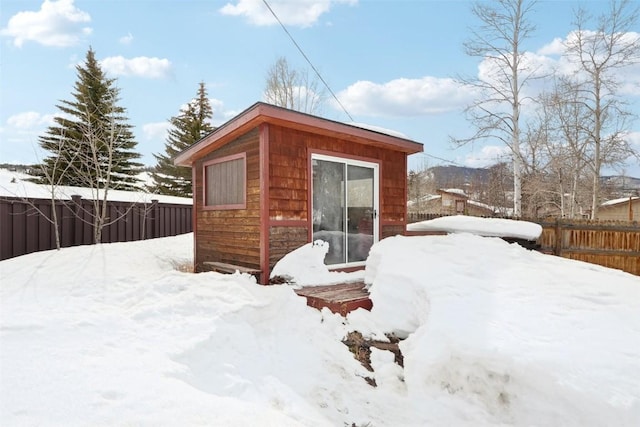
(482, 205)
(379, 129)
(16, 184)
(458, 191)
(618, 201)
(427, 198)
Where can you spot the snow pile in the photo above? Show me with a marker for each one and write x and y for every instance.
(114, 334)
(524, 338)
(494, 227)
(305, 266)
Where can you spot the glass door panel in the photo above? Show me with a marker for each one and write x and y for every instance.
(360, 212)
(344, 206)
(328, 208)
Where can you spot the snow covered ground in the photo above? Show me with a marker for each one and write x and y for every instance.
(116, 335)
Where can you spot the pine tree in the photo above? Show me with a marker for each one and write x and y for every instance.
(192, 124)
(91, 144)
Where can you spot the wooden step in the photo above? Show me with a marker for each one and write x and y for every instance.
(340, 298)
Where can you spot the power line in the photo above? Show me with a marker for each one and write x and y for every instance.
(451, 162)
(308, 60)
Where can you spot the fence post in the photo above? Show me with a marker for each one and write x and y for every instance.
(154, 226)
(559, 238)
(78, 225)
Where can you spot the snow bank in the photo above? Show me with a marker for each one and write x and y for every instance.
(494, 227)
(113, 334)
(527, 338)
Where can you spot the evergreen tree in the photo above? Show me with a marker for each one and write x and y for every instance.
(192, 124)
(91, 144)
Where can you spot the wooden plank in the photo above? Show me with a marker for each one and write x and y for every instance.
(224, 267)
(340, 298)
(603, 252)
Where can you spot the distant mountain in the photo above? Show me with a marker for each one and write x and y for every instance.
(475, 179)
(458, 176)
(621, 183)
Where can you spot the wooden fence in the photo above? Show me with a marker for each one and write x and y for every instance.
(614, 244)
(25, 225)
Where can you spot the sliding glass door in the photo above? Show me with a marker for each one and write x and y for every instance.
(345, 207)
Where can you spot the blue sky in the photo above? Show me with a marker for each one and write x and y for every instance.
(391, 63)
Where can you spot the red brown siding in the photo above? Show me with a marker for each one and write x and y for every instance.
(239, 236)
(289, 171)
(231, 236)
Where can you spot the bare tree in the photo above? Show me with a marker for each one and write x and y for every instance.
(496, 113)
(568, 149)
(555, 145)
(600, 54)
(50, 177)
(53, 176)
(293, 89)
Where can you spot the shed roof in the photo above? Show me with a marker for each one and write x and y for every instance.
(453, 191)
(261, 112)
(623, 200)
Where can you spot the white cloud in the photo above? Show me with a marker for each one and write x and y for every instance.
(155, 131)
(158, 130)
(628, 77)
(539, 67)
(301, 13)
(634, 139)
(141, 66)
(57, 23)
(126, 39)
(29, 120)
(405, 97)
(220, 114)
(556, 47)
(488, 155)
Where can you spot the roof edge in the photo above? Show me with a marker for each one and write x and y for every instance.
(261, 112)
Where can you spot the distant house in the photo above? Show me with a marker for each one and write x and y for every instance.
(272, 179)
(624, 209)
(451, 201)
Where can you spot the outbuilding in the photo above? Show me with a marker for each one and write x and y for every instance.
(623, 209)
(272, 179)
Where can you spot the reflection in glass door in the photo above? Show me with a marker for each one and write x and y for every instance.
(345, 207)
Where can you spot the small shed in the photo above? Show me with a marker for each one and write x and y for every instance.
(454, 201)
(451, 201)
(272, 179)
(623, 209)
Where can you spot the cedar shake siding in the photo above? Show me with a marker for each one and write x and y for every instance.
(230, 235)
(289, 154)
